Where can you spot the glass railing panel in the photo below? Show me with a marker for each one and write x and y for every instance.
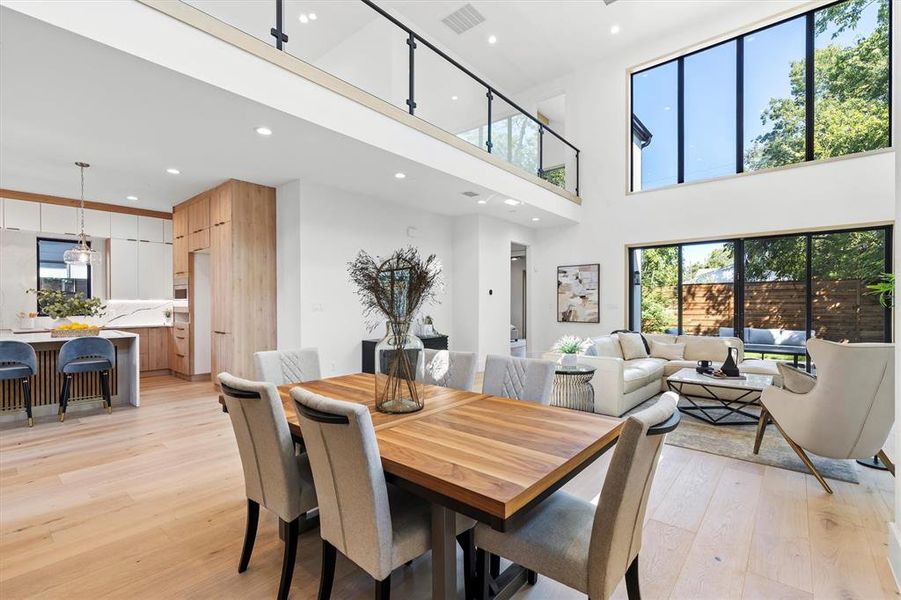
(254, 18)
(558, 162)
(449, 98)
(352, 42)
(514, 136)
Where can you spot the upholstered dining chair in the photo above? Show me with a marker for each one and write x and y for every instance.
(287, 366)
(519, 378)
(450, 369)
(586, 547)
(85, 355)
(18, 361)
(846, 412)
(377, 526)
(274, 475)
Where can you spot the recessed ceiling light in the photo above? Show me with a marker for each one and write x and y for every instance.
(667, 108)
(614, 29)
(312, 16)
(132, 198)
(454, 97)
(172, 171)
(492, 39)
(536, 218)
(511, 202)
(400, 175)
(481, 202)
(264, 131)
(303, 18)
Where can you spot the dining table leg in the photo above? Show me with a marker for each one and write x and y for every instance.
(444, 553)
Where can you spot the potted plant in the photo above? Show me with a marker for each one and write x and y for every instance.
(59, 306)
(571, 347)
(395, 289)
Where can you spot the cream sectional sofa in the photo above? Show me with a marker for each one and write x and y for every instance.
(620, 385)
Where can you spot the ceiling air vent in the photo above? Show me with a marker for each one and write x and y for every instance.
(463, 19)
(470, 194)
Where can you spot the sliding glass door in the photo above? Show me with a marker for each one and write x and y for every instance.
(773, 292)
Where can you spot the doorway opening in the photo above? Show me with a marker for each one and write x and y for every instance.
(518, 298)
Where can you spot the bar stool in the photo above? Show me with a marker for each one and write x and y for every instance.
(85, 355)
(18, 361)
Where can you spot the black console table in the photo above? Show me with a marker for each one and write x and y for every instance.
(434, 342)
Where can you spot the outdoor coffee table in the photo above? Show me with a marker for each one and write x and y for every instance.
(719, 401)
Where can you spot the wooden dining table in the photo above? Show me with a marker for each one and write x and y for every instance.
(490, 458)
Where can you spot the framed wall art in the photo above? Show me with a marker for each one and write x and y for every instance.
(578, 297)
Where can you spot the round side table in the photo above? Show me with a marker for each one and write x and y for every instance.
(572, 387)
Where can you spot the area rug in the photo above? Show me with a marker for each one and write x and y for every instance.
(737, 441)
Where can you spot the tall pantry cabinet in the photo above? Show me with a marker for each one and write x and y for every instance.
(235, 223)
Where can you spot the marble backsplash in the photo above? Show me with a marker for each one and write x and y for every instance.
(123, 313)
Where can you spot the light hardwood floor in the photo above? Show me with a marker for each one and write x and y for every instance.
(149, 503)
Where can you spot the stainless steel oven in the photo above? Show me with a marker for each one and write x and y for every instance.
(180, 288)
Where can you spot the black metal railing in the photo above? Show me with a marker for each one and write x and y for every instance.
(413, 40)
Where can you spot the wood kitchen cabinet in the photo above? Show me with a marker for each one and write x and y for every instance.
(154, 349)
(199, 223)
(179, 222)
(221, 278)
(220, 205)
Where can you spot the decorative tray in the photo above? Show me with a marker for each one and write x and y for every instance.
(71, 333)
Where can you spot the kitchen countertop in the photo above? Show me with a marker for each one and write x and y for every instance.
(44, 337)
(104, 328)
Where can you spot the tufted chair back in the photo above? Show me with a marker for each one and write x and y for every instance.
(279, 367)
(450, 369)
(519, 378)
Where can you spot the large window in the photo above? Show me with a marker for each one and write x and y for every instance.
(811, 87)
(54, 274)
(774, 292)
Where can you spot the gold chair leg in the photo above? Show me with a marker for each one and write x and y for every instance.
(887, 462)
(804, 458)
(761, 429)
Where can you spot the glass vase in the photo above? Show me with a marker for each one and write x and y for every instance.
(399, 369)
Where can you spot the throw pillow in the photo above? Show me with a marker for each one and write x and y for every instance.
(667, 351)
(632, 345)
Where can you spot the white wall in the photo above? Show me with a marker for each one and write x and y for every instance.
(321, 229)
(839, 193)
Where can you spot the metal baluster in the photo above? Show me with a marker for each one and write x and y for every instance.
(488, 144)
(278, 31)
(541, 151)
(577, 172)
(411, 104)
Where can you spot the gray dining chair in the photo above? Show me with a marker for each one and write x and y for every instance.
(450, 369)
(85, 355)
(586, 547)
(377, 526)
(18, 361)
(519, 378)
(287, 366)
(274, 475)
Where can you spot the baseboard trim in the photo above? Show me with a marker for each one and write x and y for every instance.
(894, 552)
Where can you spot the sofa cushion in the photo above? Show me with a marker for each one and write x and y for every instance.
(632, 346)
(652, 367)
(675, 365)
(667, 351)
(607, 345)
(703, 347)
(661, 338)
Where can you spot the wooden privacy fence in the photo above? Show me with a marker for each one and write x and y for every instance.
(842, 309)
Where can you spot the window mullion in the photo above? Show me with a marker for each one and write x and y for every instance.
(809, 86)
(739, 104)
(680, 124)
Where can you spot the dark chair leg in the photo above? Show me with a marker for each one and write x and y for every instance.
(466, 541)
(292, 530)
(383, 589)
(250, 534)
(495, 565)
(482, 575)
(26, 392)
(104, 389)
(64, 397)
(632, 589)
(531, 577)
(761, 428)
(327, 576)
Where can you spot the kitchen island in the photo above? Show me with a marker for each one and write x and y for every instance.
(46, 385)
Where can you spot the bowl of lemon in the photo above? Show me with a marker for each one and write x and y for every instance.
(74, 330)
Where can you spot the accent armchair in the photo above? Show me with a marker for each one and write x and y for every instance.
(846, 412)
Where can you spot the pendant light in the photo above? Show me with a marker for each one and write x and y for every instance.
(81, 253)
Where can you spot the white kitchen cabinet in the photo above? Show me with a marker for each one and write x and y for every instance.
(59, 219)
(124, 227)
(21, 215)
(150, 229)
(96, 223)
(167, 231)
(123, 269)
(154, 270)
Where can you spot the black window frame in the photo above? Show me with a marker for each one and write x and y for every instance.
(37, 267)
(810, 93)
(738, 280)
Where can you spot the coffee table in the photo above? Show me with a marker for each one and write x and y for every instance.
(709, 401)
